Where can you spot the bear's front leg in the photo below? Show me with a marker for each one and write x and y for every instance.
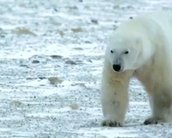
(114, 100)
(161, 103)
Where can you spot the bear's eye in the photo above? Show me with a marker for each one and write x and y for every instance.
(126, 52)
(111, 51)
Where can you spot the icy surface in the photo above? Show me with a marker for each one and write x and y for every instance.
(51, 56)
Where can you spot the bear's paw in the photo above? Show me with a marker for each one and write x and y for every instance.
(111, 123)
(152, 120)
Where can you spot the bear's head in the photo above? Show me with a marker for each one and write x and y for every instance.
(127, 52)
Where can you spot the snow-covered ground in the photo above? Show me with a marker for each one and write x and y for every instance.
(51, 56)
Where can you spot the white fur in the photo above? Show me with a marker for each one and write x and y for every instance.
(148, 39)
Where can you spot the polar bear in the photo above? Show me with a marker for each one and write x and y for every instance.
(141, 48)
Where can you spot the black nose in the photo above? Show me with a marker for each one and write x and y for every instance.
(116, 67)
